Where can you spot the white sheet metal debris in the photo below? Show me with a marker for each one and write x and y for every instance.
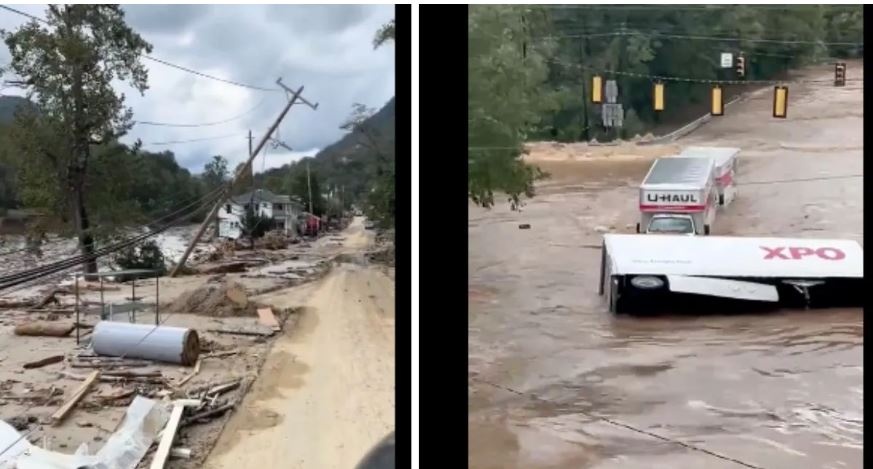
(123, 450)
(724, 288)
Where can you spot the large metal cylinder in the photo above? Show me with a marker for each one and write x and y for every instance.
(161, 343)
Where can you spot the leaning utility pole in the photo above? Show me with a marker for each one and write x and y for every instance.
(295, 96)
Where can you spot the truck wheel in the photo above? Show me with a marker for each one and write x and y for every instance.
(638, 227)
(706, 230)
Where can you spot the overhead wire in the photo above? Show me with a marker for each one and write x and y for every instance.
(164, 62)
(205, 139)
(206, 124)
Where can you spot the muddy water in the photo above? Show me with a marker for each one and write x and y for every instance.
(558, 382)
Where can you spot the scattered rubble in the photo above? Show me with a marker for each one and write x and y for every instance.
(219, 299)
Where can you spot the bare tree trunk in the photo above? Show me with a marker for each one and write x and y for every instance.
(80, 215)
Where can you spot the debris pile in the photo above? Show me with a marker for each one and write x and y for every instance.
(218, 299)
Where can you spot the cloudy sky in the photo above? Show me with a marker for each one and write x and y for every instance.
(328, 49)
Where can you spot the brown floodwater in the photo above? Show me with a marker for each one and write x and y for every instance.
(558, 382)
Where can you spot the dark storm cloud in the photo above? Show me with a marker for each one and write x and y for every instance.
(326, 48)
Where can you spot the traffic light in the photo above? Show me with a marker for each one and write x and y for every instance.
(840, 74)
(741, 66)
(658, 96)
(597, 89)
(780, 102)
(717, 101)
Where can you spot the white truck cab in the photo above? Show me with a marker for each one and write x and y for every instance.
(672, 223)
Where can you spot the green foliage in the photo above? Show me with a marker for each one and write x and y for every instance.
(385, 33)
(506, 98)
(69, 67)
(255, 225)
(215, 173)
(146, 255)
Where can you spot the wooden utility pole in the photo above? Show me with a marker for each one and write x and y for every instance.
(309, 187)
(250, 153)
(295, 96)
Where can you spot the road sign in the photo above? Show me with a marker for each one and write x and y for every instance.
(727, 60)
(611, 91)
(613, 115)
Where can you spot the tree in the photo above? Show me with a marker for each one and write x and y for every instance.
(507, 99)
(255, 225)
(69, 68)
(215, 173)
(384, 34)
(380, 198)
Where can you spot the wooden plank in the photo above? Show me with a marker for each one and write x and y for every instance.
(58, 416)
(266, 317)
(169, 433)
(192, 374)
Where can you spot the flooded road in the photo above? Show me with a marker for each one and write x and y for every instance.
(558, 382)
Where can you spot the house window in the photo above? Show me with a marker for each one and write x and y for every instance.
(227, 208)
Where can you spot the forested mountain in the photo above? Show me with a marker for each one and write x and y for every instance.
(347, 164)
(530, 69)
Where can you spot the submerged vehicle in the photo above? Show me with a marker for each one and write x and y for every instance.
(678, 196)
(726, 160)
(675, 274)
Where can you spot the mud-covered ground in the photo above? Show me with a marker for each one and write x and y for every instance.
(558, 382)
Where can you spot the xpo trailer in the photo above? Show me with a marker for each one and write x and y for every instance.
(675, 274)
(726, 161)
(678, 196)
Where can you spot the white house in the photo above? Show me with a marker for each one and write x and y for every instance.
(280, 208)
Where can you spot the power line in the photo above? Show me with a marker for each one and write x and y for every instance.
(174, 142)
(692, 79)
(659, 35)
(207, 124)
(160, 61)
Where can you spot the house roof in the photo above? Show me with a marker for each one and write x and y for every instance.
(262, 195)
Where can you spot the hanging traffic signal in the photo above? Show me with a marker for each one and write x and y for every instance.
(658, 96)
(840, 74)
(597, 89)
(717, 101)
(780, 102)
(741, 66)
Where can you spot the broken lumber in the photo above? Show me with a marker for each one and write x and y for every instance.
(133, 374)
(181, 453)
(169, 434)
(192, 374)
(208, 414)
(106, 365)
(58, 416)
(223, 388)
(42, 328)
(238, 332)
(267, 318)
(45, 361)
(222, 268)
(221, 354)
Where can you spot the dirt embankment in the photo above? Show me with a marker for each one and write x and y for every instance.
(326, 394)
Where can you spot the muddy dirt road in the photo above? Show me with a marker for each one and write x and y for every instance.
(326, 392)
(547, 361)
